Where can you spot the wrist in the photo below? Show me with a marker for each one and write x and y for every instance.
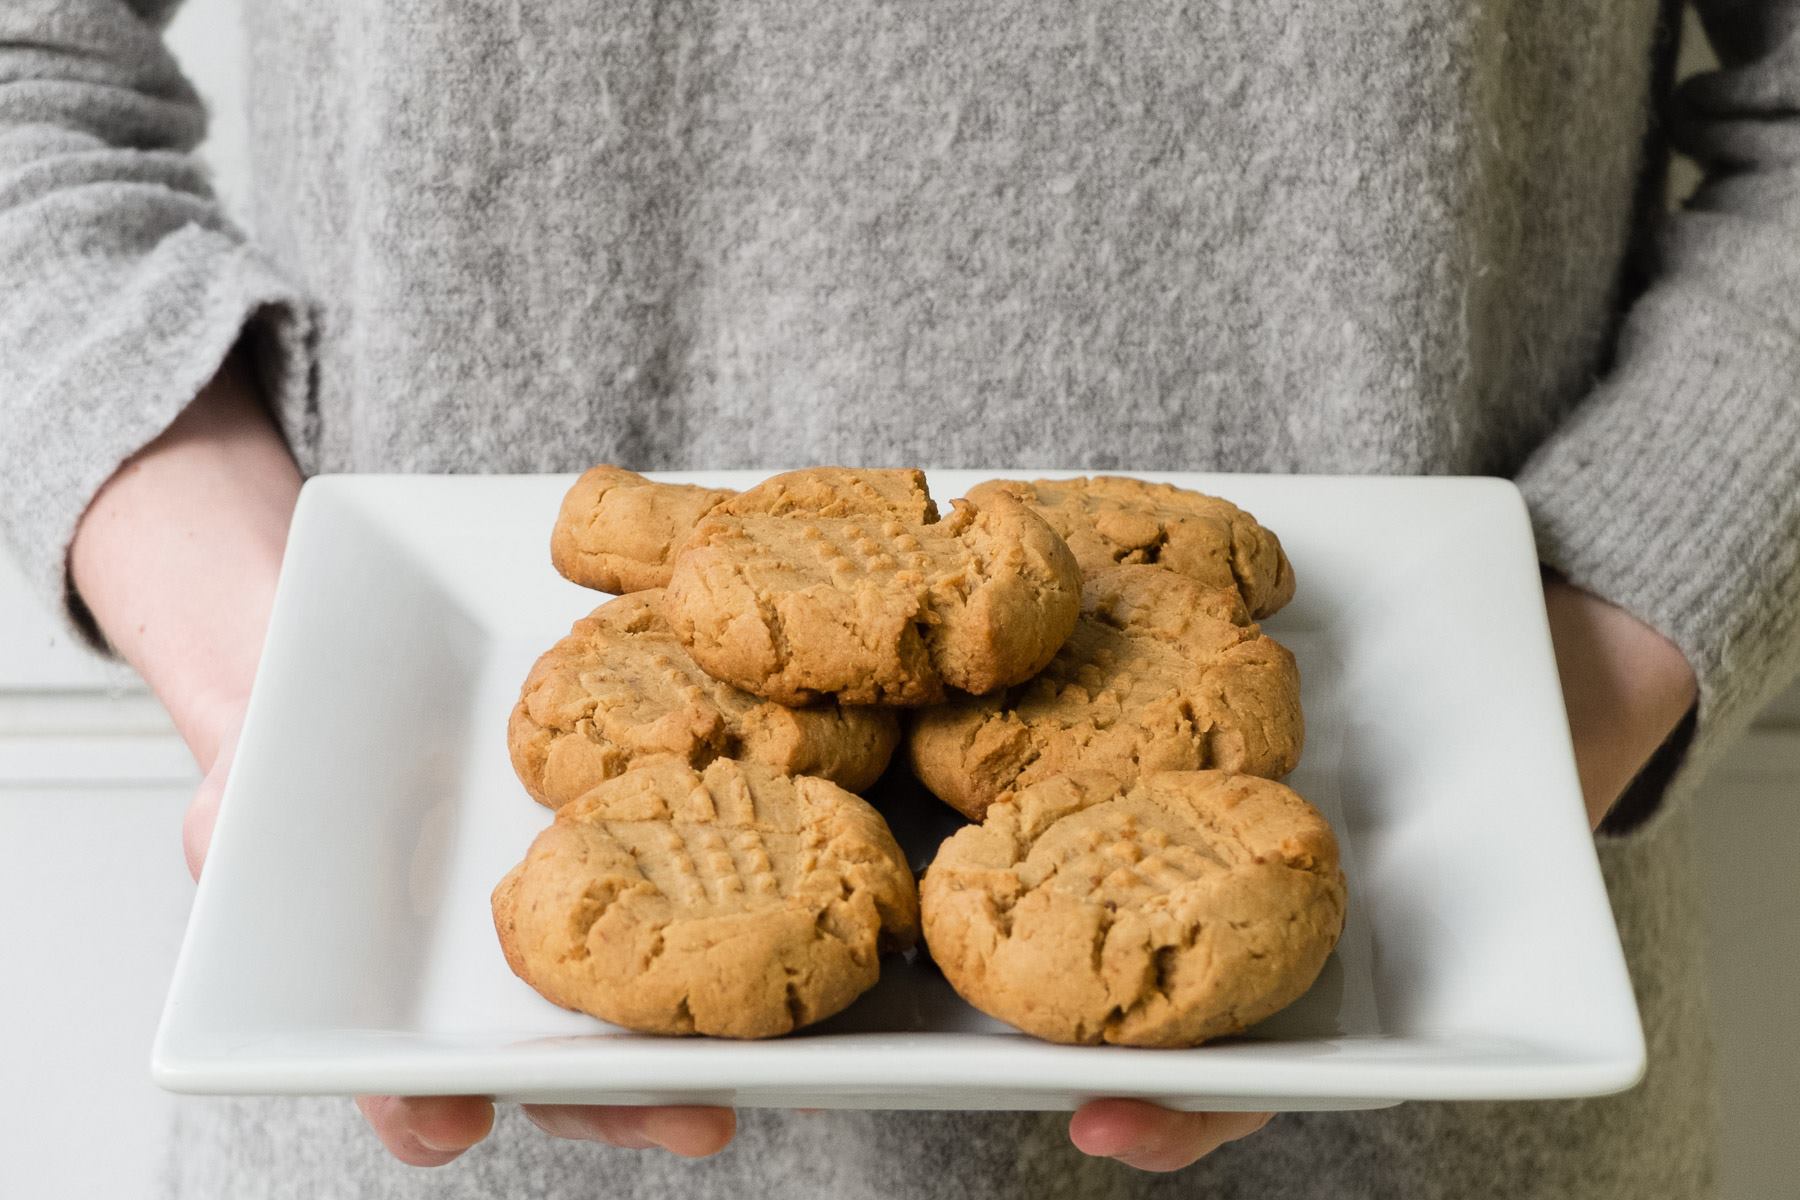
(177, 556)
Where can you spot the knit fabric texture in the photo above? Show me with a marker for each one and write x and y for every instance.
(1277, 236)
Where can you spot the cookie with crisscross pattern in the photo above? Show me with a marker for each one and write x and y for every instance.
(843, 583)
(734, 901)
(1109, 520)
(618, 531)
(1183, 907)
(1162, 673)
(619, 689)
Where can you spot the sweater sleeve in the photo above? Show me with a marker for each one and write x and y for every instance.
(127, 285)
(1673, 489)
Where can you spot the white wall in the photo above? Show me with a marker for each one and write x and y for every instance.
(207, 37)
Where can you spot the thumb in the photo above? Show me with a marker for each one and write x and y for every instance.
(197, 824)
(203, 810)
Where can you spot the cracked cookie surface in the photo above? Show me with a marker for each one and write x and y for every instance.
(620, 689)
(1110, 520)
(1162, 673)
(734, 901)
(618, 531)
(1186, 906)
(843, 583)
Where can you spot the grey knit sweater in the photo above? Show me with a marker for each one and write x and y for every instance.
(1403, 236)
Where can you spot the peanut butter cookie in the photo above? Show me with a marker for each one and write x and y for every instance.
(894, 493)
(618, 532)
(1183, 907)
(1111, 519)
(842, 583)
(620, 689)
(734, 901)
(1162, 673)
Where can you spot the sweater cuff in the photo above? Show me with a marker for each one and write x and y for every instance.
(1673, 491)
(146, 354)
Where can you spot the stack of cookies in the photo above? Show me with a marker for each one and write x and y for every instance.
(1078, 671)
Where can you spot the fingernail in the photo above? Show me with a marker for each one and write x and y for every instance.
(645, 1136)
(679, 1133)
(443, 1146)
(637, 1141)
(627, 1135)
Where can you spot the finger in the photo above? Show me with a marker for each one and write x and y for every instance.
(692, 1131)
(197, 825)
(428, 1131)
(1151, 1138)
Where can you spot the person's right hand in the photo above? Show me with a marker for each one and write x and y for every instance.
(430, 1131)
(177, 558)
(203, 809)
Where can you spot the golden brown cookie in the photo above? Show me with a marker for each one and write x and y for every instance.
(843, 583)
(734, 901)
(1112, 519)
(618, 532)
(1162, 673)
(620, 689)
(898, 493)
(1183, 907)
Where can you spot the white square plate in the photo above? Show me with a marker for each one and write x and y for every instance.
(341, 940)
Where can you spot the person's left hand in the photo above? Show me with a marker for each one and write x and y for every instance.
(1626, 688)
